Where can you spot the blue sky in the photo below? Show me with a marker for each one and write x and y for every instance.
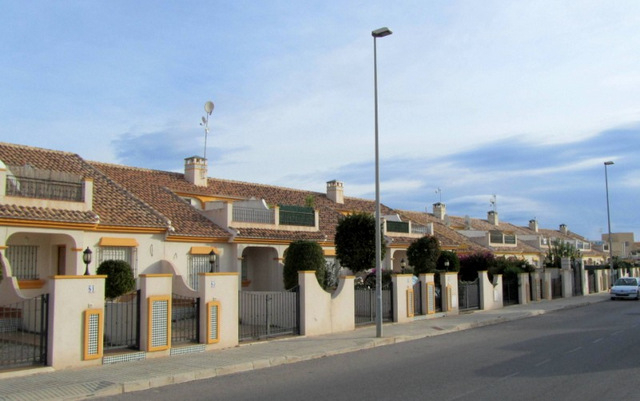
(524, 100)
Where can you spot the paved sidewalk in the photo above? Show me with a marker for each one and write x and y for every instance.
(76, 384)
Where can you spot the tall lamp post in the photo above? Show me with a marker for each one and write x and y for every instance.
(606, 183)
(378, 33)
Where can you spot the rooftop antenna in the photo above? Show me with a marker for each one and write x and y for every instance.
(208, 108)
(494, 203)
(439, 192)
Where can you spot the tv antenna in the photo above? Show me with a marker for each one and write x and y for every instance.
(494, 202)
(208, 108)
(439, 192)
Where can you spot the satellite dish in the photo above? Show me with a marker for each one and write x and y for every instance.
(208, 107)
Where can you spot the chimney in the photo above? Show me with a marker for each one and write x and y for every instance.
(492, 217)
(564, 229)
(533, 225)
(439, 210)
(195, 170)
(335, 191)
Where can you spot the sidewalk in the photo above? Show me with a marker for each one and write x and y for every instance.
(77, 384)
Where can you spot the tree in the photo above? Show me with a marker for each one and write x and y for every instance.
(423, 254)
(452, 258)
(559, 249)
(473, 263)
(119, 280)
(303, 255)
(355, 242)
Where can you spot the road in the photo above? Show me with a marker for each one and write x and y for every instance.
(588, 353)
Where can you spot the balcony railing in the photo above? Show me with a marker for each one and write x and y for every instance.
(398, 226)
(297, 216)
(45, 189)
(251, 215)
(418, 229)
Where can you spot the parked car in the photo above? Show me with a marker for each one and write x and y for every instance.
(626, 288)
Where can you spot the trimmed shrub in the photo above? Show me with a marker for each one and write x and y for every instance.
(452, 258)
(423, 254)
(355, 241)
(303, 255)
(120, 278)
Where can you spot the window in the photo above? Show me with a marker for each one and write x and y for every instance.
(125, 253)
(497, 237)
(24, 261)
(197, 264)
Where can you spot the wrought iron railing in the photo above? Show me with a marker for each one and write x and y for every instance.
(418, 229)
(252, 215)
(44, 189)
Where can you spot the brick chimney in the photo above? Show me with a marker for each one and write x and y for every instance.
(335, 191)
(533, 225)
(439, 210)
(492, 217)
(195, 170)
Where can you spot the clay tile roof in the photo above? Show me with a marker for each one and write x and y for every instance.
(42, 214)
(114, 205)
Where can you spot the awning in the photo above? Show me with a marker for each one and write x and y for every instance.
(204, 250)
(113, 241)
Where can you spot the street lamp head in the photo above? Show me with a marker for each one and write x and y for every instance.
(608, 163)
(381, 32)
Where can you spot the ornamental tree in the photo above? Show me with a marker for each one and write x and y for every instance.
(300, 256)
(355, 242)
(423, 254)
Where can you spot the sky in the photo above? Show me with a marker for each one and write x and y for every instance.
(521, 100)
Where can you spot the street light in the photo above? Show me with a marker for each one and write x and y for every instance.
(212, 261)
(86, 258)
(378, 33)
(606, 183)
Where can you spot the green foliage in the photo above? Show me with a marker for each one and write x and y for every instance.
(511, 267)
(452, 258)
(119, 280)
(303, 255)
(423, 254)
(355, 242)
(310, 201)
(471, 264)
(559, 249)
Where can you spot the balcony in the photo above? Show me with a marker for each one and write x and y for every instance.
(39, 188)
(257, 214)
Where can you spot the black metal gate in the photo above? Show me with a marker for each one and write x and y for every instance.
(365, 305)
(23, 333)
(468, 294)
(592, 281)
(265, 314)
(122, 322)
(510, 295)
(185, 319)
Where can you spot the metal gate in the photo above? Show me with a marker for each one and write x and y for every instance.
(365, 305)
(556, 287)
(417, 298)
(265, 314)
(23, 333)
(122, 322)
(469, 294)
(185, 319)
(510, 294)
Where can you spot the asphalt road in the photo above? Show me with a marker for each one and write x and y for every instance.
(588, 353)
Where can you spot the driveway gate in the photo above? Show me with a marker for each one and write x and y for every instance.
(365, 307)
(265, 314)
(23, 333)
(122, 323)
(556, 287)
(469, 294)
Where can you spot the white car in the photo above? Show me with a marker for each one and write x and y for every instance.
(626, 288)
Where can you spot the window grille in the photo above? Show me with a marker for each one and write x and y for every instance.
(124, 253)
(197, 264)
(24, 261)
